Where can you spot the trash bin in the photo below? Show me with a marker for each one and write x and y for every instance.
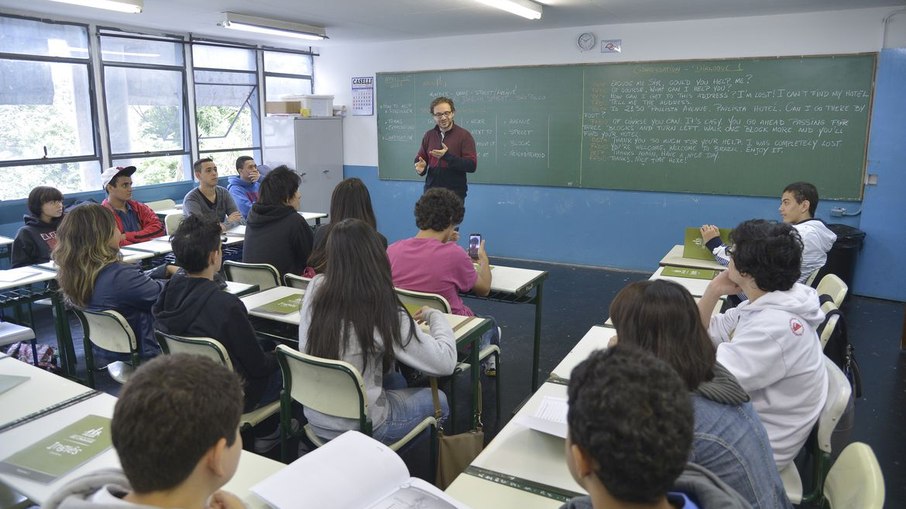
(841, 259)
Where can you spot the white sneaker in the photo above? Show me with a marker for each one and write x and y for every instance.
(266, 443)
(120, 371)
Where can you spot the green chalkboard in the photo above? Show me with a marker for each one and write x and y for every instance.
(738, 127)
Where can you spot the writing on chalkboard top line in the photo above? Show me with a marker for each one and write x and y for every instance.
(739, 127)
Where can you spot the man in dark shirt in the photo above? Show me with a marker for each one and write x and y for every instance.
(447, 151)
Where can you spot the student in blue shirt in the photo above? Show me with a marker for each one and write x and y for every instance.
(244, 186)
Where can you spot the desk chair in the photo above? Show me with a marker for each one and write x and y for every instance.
(294, 281)
(810, 281)
(818, 445)
(855, 481)
(161, 204)
(334, 388)
(172, 222)
(264, 275)
(829, 326)
(413, 300)
(11, 333)
(833, 286)
(108, 330)
(213, 349)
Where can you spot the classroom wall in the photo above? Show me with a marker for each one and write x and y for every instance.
(622, 229)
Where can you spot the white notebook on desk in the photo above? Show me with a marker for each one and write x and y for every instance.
(352, 470)
(549, 417)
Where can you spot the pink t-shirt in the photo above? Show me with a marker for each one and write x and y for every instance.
(432, 266)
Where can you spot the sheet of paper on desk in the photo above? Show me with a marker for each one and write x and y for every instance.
(7, 382)
(8, 276)
(323, 477)
(549, 417)
(236, 231)
(283, 306)
(61, 452)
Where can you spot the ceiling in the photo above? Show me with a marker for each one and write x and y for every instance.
(359, 21)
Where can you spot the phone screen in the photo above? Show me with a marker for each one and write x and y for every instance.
(474, 242)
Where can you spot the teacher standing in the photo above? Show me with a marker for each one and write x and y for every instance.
(447, 152)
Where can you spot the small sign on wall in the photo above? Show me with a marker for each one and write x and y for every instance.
(612, 46)
(363, 95)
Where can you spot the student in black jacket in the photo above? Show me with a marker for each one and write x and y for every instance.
(192, 304)
(35, 241)
(275, 232)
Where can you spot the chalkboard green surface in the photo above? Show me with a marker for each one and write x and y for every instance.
(738, 127)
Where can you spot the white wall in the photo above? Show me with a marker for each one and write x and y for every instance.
(849, 31)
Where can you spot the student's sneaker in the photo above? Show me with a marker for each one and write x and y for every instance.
(120, 371)
(266, 443)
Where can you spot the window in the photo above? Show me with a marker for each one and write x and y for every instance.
(226, 104)
(286, 74)
(47, 107)
(146, 106)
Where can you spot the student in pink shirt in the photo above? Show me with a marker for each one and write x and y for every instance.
(432, 262)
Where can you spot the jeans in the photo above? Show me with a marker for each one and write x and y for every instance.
(731, 442)
(406, 408)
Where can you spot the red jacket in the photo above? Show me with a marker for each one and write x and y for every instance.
(151, 226)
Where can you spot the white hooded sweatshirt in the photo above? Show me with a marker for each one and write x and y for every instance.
(817, 240)
(770, 345)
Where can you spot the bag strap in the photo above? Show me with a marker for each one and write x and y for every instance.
(438, 413)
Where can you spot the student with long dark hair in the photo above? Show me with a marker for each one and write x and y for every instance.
(352, 313)
(730, 441)
(350, 200)
(37, 238)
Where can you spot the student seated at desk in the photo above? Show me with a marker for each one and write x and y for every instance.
(209, 199)
(35, 240)
(432, 262)
(630, 431)
(175, 429)
(91, 277)
(192, 304)
(350, 200)
(244, 187)
(352, 313)
(661, 317)
(276, 233)
(769, 342)
(797, 207)
(135, 220)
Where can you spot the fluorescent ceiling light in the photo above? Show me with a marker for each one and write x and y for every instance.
(525, 8)
(272, 27)
(128, 6)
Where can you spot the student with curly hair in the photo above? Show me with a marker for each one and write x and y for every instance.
(769, 342)
(630, 431)
(432, 262)
(661, 317)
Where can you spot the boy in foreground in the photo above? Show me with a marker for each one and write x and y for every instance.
(630, 431)
(176, 430)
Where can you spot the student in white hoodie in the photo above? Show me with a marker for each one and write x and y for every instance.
(769, 342)
(798, 204)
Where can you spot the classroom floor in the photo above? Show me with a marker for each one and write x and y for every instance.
(575, 298)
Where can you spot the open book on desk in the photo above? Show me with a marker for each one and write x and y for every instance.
(352, 470)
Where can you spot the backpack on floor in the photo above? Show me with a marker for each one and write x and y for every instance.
(46, 355)
(839, 349)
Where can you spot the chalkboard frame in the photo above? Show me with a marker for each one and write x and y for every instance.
(650, 177)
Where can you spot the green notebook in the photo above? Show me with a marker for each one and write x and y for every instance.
(62, 452)
(283, 306)
(694, 247)
(672, 271)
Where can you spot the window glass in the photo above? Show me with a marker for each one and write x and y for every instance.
(158, 169)
(219, 57)
(144, 109)
(141, 51)
(45, 106)
(69, 178)
(32, 37)
(276, 87)
(287, 63)
(226, 110)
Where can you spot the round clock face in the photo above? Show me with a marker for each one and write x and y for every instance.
(586, 41)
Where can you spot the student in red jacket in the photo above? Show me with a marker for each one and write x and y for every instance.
(135, 220)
